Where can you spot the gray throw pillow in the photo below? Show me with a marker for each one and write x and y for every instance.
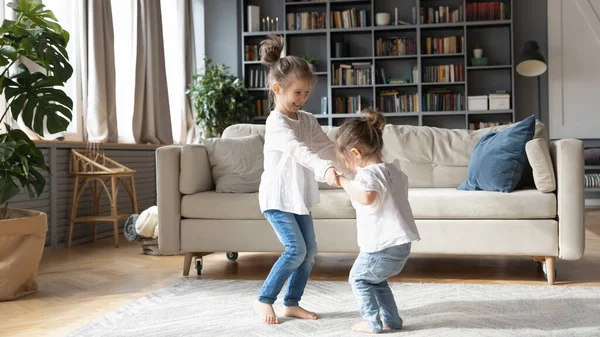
(237, 163)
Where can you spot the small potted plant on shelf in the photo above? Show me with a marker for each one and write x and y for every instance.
(477, 51)
(33, 67)
(219, 98)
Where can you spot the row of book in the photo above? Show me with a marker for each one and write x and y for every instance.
(441, 14)
(305, 20)
(444, 73)
(489, 10)
(257, 78)
(261, 107)
(393, 101)
(395, 46)
(443, 100)
(252, 52)
(348, 105)
(350, 18)
(443, 45)
(412, 76)
(358, 73)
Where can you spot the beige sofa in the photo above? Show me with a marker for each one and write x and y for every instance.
(195, 219)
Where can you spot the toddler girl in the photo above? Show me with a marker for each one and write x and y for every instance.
(384, 219)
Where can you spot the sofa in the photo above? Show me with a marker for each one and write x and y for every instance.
(544, 223)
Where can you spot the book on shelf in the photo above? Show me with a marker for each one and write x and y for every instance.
(488, 11)
(443, 45)
(324, 105)
(444, 73)
(251, 52)
(261, 107)
(350, 18)
(441, 14)
(443, 100)
(305, 20)
(357, 73)
(395, 46)
(349, 105)
(393, 101)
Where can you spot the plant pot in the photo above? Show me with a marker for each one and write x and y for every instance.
(22, 240)
(477, 53)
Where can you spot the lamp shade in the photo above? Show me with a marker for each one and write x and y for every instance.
(531, 62)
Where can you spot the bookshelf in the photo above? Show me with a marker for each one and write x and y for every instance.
(387, 72)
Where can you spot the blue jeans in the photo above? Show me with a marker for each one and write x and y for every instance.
(368, 279)
(297, 234)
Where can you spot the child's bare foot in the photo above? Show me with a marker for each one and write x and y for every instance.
(299, 312)
(266, 312)
(362, 327)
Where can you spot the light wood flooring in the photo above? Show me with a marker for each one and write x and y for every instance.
(87, 281)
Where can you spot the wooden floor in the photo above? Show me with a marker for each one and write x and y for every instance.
(80, 284)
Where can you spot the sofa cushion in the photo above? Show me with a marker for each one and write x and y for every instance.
(237, 163)
(499, 158)
(426, 203)
(538, 154)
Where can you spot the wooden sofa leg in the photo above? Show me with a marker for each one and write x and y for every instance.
(550, 269)
(187, 263)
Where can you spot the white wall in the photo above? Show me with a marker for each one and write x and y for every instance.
(574, 68)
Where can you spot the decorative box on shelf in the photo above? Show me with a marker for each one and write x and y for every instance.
(477, 103)
(499, 101)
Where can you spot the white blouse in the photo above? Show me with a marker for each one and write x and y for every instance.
(297, 155)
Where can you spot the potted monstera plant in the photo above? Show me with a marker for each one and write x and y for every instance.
(34, 68)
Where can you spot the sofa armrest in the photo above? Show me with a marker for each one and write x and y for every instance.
(567, 157)
(168, 198)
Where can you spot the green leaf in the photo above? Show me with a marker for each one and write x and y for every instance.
(6, 150)
(33, 10)
(8, 188)
(42, 101)
(8, 54)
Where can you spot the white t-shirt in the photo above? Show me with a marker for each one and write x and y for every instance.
(389, 220)
(297, 154)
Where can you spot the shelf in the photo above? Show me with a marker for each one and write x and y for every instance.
(444, 113)
(362, 86)
(488, 23)
(490, 112)
(349, 2)
(489, 67)
(320, 73)
(592, 189)
(443, 55)
(401, 114)
(264, 33)
(257, 89)
(344, 59)
(388, 85)
(353, 29)
(396, 57)
(442, 83)
(592, 167)
(306, 3)
(442, 25)
(398, 27)
(306, 32)
(258, 118)
(252, 62)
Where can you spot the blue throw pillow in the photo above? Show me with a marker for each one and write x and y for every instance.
(499, 158)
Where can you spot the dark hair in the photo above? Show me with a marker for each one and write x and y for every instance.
(282, 69)
(364, 133)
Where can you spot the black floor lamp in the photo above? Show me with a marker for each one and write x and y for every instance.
(533, 64)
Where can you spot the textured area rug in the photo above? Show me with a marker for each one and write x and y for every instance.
(193, 307)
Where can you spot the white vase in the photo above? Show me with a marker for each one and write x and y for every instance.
(477, 53)
(382, 19)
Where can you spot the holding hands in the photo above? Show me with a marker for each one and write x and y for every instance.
(332, 177)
